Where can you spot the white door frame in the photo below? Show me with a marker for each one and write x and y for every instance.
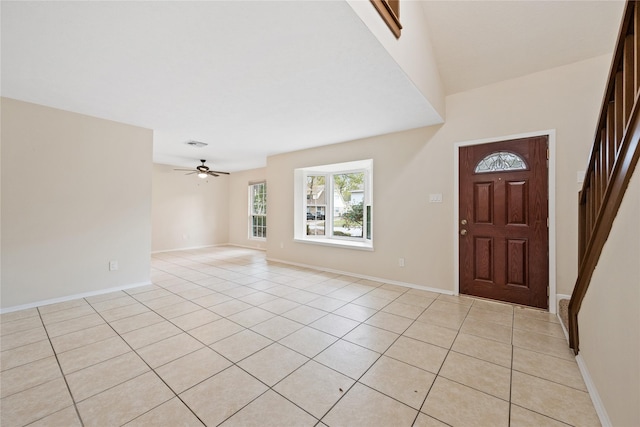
(552, 206)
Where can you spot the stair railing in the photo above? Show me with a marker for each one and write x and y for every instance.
(612, 161)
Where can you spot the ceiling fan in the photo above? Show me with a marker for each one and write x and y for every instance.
(203, 171)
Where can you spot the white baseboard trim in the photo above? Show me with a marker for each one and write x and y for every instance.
(72, 297)
(593, 393)
(362, 276)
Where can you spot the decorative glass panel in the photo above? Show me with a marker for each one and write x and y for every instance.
(501, 161)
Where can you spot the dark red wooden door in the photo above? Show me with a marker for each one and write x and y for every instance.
(504, 241)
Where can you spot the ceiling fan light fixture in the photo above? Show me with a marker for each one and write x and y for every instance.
(202, 175)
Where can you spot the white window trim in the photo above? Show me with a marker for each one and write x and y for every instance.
(251, 214)
(299, 213)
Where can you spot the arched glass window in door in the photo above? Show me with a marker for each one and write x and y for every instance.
(501, 161)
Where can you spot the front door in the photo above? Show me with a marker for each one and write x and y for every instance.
(504, 241)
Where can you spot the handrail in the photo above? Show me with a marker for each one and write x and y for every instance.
(613, 159)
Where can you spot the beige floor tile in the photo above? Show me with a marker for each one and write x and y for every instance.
(73, 325)
(385, 293)
(422, 301)
(535, 314)
(277, 328)
(228, 400)
(326, 303)
(251, 317)
(405, 310)
(482, 348)
(279, 306)
(539, 326)
(67, 417)
(122, 312)
(20, 325)
(456, 404)
(493, 306)
(169, 349)
(18, 339)
(489, 330)
(113, 303)
(81, 338)
(457, 299)
(478, 374)
(432, 334)
(105, 297)
(373, 338)
(259, 297)
(423, 293)
(449, 307)
(424, 420)
(314, 387)
(308, 341)
(565, 372)
(301, 296)
(335, 325)
(212, 299)
(347, 358)
(305, 314)
(142, 337)
(230, 307)
(124, 402)
(179, 309)
(448, 319)
(362, 406)
(215, 331)
(396, 379)
(502, 318)
(371, 302)
(34, 403)
(17, 315)
(541, 343)
(521, 417)
(50, 308)
(194, 319)
(355, 312)
(165, 301)
(26, 376)
(99, 377)
(553, 400)
(418, 353)
(273, 363)
(80, 358)
(138, 321)
(239, 291)
(349, 293)
(241, 345)
(389, 322)
(171, 413)
(187, 371)
(151, 294)
(25, 354)
(270, 409)
(197, 292)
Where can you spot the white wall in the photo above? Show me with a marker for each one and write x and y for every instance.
(609, 319)
(188, 212)
(412, 51)
(408, 166)
(76, 194)
(239, 207)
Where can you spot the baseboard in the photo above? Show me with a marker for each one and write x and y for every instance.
(72, 297)
(362, 276)
(593, 393)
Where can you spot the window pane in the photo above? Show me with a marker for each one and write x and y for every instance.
(348, 201)
(501, 161)
(316, 205)
(258, 210)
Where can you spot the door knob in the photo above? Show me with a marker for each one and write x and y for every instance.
(463, 232)
(463, 222)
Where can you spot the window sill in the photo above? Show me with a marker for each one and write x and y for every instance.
(361, 246)
(259, 239)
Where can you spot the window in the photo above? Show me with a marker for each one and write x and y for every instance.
(334, 204)
(389, 10)
(501, 161)
(258, 210)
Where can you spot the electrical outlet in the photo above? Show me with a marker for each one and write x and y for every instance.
(400, 262)
(113, 265)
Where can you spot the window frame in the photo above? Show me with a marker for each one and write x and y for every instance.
(253, 215)
(301, 207)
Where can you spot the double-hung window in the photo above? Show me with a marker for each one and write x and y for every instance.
(334, 204)
(258, 210)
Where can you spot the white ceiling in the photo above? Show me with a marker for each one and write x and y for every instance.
(253, 79)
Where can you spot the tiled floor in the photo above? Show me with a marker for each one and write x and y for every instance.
(223, 337)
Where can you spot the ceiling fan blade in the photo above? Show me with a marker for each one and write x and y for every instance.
(191, 173)
(222, 173)
(212, 173)
(185, 170)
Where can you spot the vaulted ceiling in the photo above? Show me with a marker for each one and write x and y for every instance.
(256, 78)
